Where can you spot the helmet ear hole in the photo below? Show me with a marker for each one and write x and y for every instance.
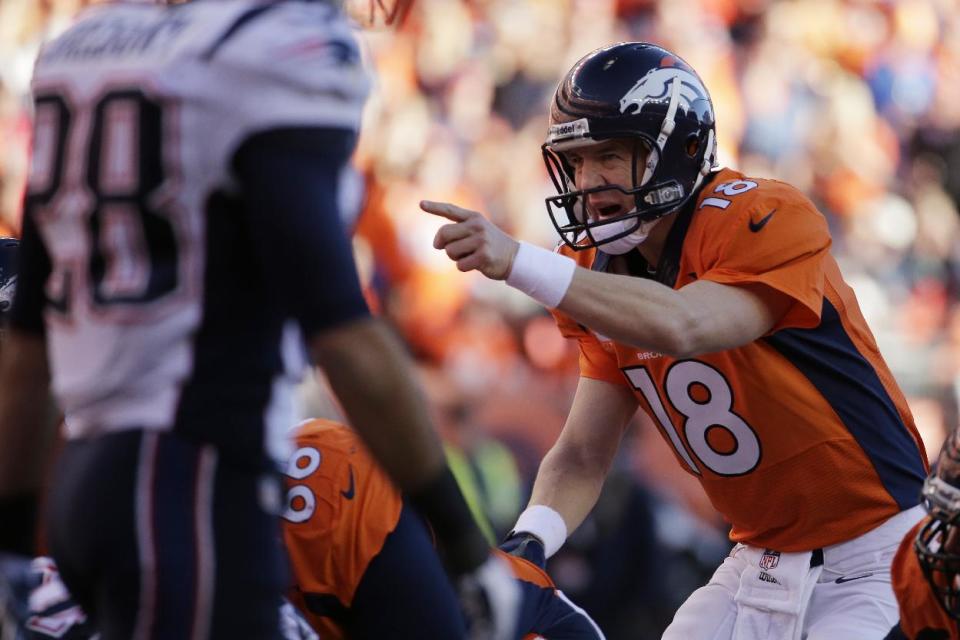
(692, 145)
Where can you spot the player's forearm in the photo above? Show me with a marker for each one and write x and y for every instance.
(370, 374)
(372, 377)
(27, 423)
(569, 481)
(701, 317)
(573, 471)
(635, 311)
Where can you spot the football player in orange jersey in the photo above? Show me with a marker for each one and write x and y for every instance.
(926, 569)
(710, 299)
(363, 561)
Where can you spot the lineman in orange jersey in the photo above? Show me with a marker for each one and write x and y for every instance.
(710, 300)
(363, 562)
(926, 569)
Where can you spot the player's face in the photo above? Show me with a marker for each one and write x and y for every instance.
(608, 163)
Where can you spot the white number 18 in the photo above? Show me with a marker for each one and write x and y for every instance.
(700, 417)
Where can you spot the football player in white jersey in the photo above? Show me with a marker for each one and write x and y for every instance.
(181, 239)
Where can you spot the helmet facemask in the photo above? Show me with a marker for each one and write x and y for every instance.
(938, 543)
(568, 210)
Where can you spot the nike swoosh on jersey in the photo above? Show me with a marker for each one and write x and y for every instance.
(351, 491)
(843, 579)
(761, 223)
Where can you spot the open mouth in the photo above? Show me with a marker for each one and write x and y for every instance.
(609, 210)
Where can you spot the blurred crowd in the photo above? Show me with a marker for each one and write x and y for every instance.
(855, 102)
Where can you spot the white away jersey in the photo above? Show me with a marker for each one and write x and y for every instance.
(139, 111)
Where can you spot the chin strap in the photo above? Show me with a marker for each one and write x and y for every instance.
(708, 154)
(707, 164)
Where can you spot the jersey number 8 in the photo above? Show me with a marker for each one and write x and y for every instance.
(130, 254)
(300, 501)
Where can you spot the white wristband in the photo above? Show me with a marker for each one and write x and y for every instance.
(543, 275)
(546, 524)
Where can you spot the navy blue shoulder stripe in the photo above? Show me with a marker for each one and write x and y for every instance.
(831, 362)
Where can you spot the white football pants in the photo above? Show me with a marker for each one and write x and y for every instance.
(853, 598)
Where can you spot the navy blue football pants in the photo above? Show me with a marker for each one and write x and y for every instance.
(158, 537)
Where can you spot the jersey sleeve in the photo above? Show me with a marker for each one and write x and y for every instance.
(779, 242)
(296, 64)
(289, 183)
(595, 361)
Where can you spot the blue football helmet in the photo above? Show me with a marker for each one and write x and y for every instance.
(637, 91)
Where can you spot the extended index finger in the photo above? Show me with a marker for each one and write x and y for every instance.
(445, 210)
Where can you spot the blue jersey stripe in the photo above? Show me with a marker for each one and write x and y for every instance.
(831, 362)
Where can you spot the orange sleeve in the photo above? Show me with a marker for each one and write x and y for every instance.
(783, 252)
(595, 361)
(569, 328)
(919, 609)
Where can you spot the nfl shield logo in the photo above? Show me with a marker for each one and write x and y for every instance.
(769, 559)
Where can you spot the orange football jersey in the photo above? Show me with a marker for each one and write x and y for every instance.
(340, 508)
(919, 609)
(801, 439)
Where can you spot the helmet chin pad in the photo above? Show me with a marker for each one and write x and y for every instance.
(622, 234)
(579, 231)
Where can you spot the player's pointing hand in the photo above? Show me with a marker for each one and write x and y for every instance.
(472, 241)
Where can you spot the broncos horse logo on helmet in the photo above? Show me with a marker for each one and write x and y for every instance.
(635, 91)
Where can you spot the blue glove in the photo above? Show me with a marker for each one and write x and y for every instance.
(524, 544)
